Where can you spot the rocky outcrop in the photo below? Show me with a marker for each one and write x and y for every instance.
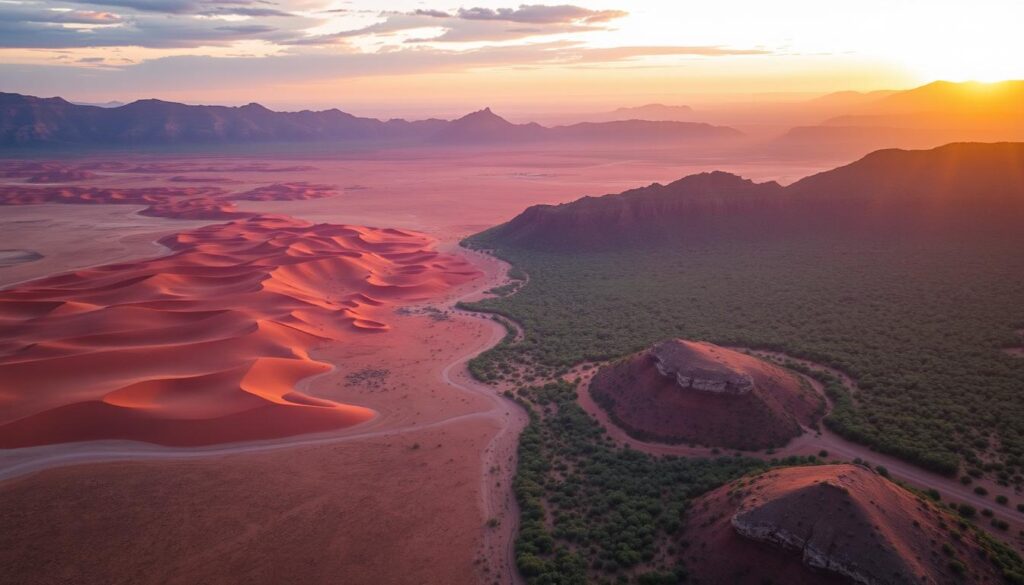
(674, 360)
(818, 546)
(681, 391)
(828, 525)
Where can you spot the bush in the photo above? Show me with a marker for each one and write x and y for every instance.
(615, 507)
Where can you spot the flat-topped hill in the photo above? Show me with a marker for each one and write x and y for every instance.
(696, 392)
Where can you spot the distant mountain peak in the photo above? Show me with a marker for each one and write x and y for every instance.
(655, 106)
(482, 115)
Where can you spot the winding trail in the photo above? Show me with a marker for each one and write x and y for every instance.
(498, 460)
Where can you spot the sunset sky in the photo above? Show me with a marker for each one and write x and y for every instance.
(425, 57)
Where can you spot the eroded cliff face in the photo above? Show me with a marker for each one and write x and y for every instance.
(694, 372)
(828, 525)
(846, 520)
(818, 546)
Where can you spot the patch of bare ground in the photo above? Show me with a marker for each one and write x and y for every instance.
(357, 512)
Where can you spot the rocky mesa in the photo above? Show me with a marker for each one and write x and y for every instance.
(698, 393)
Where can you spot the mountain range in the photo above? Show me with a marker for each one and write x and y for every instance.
(921, 117)
(32, 121)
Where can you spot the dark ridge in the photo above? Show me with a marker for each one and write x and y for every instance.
(955, 186)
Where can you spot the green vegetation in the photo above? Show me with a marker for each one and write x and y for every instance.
(919, 323)
(592, 512)
(595, 513)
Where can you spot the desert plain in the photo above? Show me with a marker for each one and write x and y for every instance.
(397, 461)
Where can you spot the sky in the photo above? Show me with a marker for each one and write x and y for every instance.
(408, 58)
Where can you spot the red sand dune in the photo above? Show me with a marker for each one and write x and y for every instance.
(824, 525)
(45, 172)
(172, 202)
(61, 176)
(192, 179)
(294, 191)
(67, 172)
(207, 344)
(731, 399)
(194, 167)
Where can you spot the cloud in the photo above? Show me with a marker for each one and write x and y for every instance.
(612, 54)
(22, 13)
(199, 73)
(173, 24)
(203, 7)
(247, 29)
(330, 57)
(244, 11)
(540, 14)
(33, 26)
(138, 32)
(163, 6)
(432, 13)
(480, 24)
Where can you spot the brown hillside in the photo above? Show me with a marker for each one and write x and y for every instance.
(974, 186)
(695, 392)
(827, 524)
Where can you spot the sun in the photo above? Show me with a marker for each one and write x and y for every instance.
(966, 66)
(961, 45)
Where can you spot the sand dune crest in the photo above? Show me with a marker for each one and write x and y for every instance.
(205, 345)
